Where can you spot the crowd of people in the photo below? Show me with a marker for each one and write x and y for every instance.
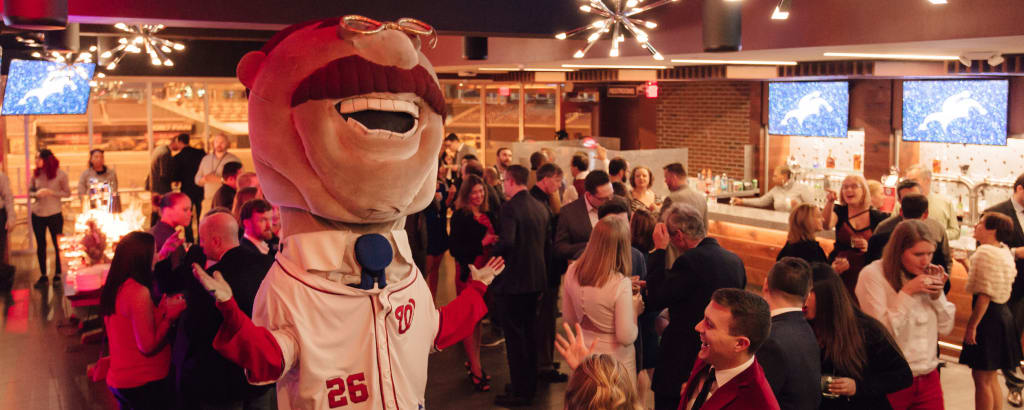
(649, 300)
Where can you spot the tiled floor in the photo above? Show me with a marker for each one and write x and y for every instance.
(44, 363)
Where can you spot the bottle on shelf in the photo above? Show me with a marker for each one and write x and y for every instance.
(856, 162)
(830, 161)
(936, 166)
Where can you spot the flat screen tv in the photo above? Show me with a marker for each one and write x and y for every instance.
(812, 109)
(44, 87)
(957, 111)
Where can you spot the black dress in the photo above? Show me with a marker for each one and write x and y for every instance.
(844, 233)
(998, 347)
(809, 251)
(886, 371)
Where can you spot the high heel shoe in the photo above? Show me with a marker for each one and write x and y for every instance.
(480, 383)
(469, 371)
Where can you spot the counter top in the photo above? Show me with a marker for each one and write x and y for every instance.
(758, 217)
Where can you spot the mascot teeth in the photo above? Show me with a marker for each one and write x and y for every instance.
(380, 117)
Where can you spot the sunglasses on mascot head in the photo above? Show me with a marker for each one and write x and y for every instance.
(366, 25)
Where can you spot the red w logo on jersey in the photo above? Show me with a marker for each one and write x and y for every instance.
(404, 315)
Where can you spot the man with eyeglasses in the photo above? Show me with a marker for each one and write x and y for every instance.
(577, 219)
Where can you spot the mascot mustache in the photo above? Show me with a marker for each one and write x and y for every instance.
(353, 75)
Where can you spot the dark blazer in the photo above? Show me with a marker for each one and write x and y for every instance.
(686, 290)
(791, 361)
(556, 265)
(943, 256)
(524, 225)
(248, 246)
(1006, 208)
(885, 371)
(747, 391)
(466, 236)
(573, 229)
(186, 164)
(809, 251)
(224, 197)
(161, 170)
(201, 373)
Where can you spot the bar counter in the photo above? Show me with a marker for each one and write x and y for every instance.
(757, 236)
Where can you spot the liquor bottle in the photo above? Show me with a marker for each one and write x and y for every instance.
(830, 161)
(936, 166)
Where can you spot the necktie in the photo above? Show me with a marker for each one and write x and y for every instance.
(704, 390)
(373, 253)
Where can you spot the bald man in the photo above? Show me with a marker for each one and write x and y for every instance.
(204, 379)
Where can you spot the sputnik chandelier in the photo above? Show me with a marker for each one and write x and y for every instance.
(42, 52)
(616, 18)
(142, 37)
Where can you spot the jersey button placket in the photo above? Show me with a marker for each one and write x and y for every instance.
(382, 350)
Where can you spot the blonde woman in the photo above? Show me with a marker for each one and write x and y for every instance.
(854, 221)
(903, 290)
(804, 221)
(598, 381)
(598, 295)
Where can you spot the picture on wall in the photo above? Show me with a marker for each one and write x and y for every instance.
(812, 109)
(955, 111)
(37, 87)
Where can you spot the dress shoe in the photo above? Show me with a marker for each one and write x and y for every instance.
(42, 282)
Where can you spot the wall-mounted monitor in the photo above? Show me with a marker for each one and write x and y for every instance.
(957, 111)
(44, 87)
(812, 109)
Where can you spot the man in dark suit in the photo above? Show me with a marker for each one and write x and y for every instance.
(1014, 208)
(185, 162)
(256, 216)
(790, 358)
(685, 290)
(204, 378)
(160, 173)
(225, 195)
(515, 294)
(726, 376)
(545, 191)
(577, 218)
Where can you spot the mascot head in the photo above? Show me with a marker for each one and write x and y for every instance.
(345, 118)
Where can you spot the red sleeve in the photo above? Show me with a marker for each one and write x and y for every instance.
(459, 317)
(247, 345)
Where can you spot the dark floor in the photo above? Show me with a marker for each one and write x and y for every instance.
(44, 361)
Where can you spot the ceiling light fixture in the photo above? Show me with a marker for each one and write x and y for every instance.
(506, 69)
(616, 19)
(995, 60)
(937, 1)
(888, 56)
(139, 37)
(965, 61)
(782, 10)
(615, 66)
(733, 62)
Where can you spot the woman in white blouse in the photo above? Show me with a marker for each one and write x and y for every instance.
(990, 343)
(903, 290)
(597, 292)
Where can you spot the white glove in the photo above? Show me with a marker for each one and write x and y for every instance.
(487, 273)
(216, 285)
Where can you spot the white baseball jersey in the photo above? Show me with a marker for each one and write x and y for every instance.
(344, 347)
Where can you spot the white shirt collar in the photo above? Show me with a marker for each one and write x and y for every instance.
(724, 376)
(330, 255)
(260, 243)
(1017, 207)
(779, 311)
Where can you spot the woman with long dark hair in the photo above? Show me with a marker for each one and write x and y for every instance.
(49, 184)
(472, 237)
(140, 356)
(856, 350)
(903, 290)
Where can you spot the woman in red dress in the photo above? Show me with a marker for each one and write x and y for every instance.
(472, 237)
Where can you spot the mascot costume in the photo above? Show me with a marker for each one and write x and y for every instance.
(345, 117)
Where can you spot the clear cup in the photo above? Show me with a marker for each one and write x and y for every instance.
(826, 380)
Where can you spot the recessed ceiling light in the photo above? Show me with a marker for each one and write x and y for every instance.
(895, 56)
(736, 62)
(937, 1)
(626, 67)
(524, 69)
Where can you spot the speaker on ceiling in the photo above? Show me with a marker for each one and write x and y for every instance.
(474, 48)
(63, 40)
(722, 25)
(36, 14)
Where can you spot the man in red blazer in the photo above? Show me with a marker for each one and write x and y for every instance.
(726, 376)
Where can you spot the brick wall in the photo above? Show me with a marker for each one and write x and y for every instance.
(711, 118)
